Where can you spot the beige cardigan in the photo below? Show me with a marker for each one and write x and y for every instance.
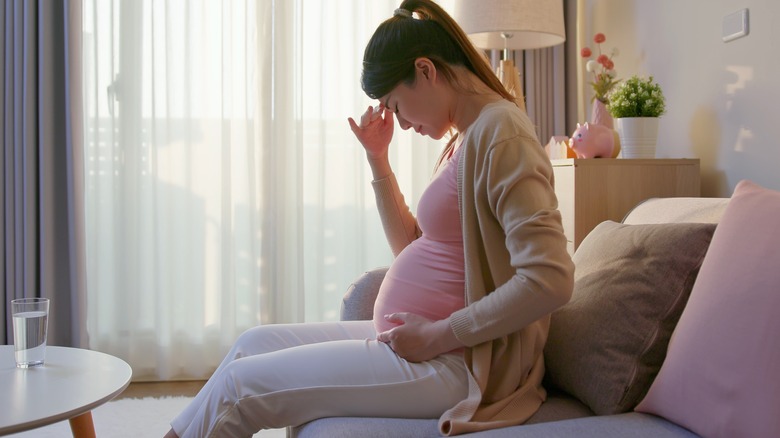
(517, 267)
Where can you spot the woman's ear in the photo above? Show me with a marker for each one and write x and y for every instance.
(425, 69)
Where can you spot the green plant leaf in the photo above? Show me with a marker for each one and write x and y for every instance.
(637, 97)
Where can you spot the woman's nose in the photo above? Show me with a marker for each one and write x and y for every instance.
(403, 123)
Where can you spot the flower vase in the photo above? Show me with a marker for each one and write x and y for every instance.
(638, 136)
(599, 114)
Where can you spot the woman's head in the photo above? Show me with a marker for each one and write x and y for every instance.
(389, 58)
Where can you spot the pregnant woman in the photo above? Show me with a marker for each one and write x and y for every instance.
(462, 316)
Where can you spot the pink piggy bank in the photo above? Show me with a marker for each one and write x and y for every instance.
(595, 141)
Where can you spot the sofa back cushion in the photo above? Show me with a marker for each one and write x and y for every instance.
(677, 210)
(631, 283)
(720, 375)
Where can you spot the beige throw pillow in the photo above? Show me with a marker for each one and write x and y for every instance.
(632, 282)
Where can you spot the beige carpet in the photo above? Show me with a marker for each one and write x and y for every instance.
(130, 418)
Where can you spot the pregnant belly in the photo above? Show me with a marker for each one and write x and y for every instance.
(426, 279)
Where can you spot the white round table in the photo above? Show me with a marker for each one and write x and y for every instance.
(67, 386)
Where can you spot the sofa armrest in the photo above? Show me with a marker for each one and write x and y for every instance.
(358, 302)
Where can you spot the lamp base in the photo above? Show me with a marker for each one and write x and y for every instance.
(508, 75)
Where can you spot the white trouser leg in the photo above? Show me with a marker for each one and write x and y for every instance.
(283, 375)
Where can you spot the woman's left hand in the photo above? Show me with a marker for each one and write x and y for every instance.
(417, 338)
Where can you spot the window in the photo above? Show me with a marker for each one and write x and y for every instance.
(224, 186)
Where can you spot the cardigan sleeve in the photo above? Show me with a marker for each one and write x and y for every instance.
(518, 267)
(399, 223)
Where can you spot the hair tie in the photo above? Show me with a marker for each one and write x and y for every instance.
(401, 12)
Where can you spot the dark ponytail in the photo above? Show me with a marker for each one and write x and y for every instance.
(389, 56)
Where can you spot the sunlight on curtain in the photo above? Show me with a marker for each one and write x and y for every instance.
(224, 186)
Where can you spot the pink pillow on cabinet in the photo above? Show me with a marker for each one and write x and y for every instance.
(720, 375)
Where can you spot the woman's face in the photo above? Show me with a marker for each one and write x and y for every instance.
(420, 106)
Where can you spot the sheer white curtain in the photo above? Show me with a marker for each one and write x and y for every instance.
(224, 188)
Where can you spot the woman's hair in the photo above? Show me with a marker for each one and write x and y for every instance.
(390, 54)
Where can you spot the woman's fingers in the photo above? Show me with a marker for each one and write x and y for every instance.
(376, 112)
(354, 126)
(371, 114)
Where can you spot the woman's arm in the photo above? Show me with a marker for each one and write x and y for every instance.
(524, 246)
(399, 223)
(374, 133)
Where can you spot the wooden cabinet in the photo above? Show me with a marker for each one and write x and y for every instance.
(594, 190)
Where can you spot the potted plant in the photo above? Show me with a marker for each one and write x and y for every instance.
(636, 105)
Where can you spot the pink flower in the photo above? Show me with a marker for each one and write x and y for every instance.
(602, 68)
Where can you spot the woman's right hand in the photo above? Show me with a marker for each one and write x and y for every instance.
(375, 131)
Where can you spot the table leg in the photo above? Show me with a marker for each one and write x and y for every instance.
(82, 426)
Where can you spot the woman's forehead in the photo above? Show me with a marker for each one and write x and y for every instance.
(385, 100)
(395, 92)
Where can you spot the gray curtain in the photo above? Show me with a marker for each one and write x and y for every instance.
(42, 252)
(543, 75)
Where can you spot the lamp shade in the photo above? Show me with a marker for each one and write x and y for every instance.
(533, 24)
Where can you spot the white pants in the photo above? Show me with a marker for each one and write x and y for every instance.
(288, 374)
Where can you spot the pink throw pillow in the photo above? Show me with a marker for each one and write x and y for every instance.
(720, 376)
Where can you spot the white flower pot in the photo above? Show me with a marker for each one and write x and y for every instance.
(638, 136)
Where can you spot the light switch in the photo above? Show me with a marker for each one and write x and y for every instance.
(735, 25)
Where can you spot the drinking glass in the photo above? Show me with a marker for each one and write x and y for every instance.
(30, 321)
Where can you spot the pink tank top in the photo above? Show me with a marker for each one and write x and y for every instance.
(428, 276)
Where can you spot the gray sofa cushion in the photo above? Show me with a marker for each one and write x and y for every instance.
(556, 407)
(626, 425)
(631, 284)
(358, 301)
(357, 427)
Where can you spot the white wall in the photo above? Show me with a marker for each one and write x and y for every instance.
(721, 98)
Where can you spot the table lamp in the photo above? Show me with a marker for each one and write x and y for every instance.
(511, 25)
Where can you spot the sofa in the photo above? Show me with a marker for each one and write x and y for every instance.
(670, 331)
